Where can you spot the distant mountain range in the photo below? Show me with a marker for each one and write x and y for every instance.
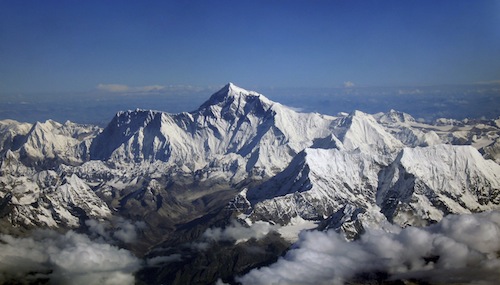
(242, 161)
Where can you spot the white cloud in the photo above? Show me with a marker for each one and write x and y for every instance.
(64, 259)
(121, 88)
(409, 92)
(460, 249)
(126, 231)
(149, 88)
(113, 87)
(348, 84)
(154, 89)
(98, 229)
(173, 89)
(117, 229)
(235, 232)
(239, 233)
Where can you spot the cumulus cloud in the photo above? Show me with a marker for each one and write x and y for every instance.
(234, 232)
(348, 84)
(98, 228)
(460, 249)
(126, 230)
(71, 258)
(117, 229)
(238, 232)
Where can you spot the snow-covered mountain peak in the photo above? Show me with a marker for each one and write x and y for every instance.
(47, 124)
(238, 90)
(236, 100)
(12, 134)
(263, 134)
(231, 90)
(139, 130)
(135, 117)
(361, 130)
(395, 117)
(56, 142)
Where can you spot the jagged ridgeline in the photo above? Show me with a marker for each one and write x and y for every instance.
(241, 161)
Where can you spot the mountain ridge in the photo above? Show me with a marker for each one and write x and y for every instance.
(242, 160)
(232, 120)
(234, 136)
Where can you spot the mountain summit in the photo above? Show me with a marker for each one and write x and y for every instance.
(232, 92)
(235, 126)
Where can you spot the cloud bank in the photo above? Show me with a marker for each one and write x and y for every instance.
(234, 232)
(71, 258)
(151, 89)
(239, 233)
(118, 229)
(122, 88)
(348, 84)
(462, 249)
(113, 87)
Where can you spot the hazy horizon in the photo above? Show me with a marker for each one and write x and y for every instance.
(424, 102)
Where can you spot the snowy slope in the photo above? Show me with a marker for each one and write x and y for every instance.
(12, 134)
(51, 143)
(405, 128)
(424, 184)
(316, 184)
(352, 191)
(361, 131)
(46, 198)
(492, 151)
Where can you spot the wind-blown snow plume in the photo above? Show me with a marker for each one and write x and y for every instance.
(71, 258)
(459, 249)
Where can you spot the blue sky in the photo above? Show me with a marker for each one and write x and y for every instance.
(80, 46)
